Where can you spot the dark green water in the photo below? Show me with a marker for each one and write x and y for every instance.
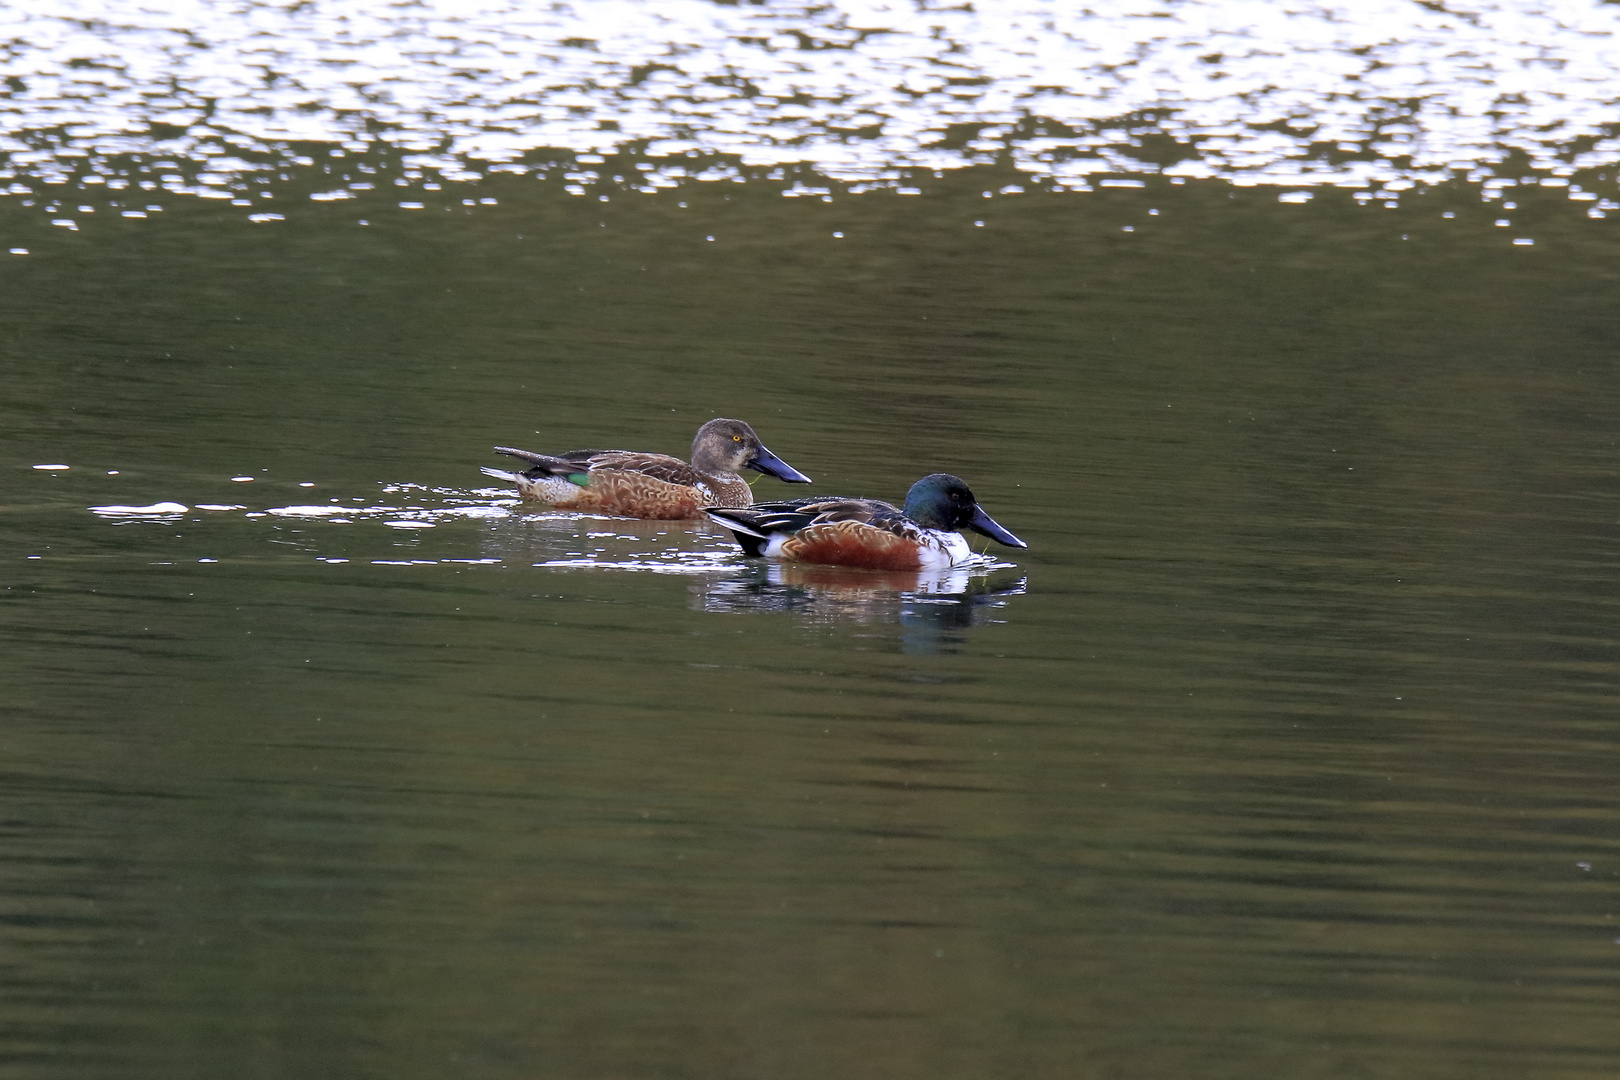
(1289, 747)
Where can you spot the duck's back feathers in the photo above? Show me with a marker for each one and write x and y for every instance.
(671, 470)
(848, 532)
(794, 515)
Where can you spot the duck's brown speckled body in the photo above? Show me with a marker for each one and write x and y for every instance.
(642, 485)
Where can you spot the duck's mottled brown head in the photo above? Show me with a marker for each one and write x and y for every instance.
(730, 446)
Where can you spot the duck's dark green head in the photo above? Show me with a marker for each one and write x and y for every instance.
(943, 501)
(730, 446)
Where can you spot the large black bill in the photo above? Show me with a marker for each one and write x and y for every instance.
(984, 523)
(767, 462)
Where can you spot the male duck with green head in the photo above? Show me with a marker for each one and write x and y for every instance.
(868, 532)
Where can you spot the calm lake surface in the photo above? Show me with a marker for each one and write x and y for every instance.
(1289, 748)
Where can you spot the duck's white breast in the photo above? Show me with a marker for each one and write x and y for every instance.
(941, 550)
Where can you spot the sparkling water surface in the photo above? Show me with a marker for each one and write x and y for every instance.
(1285, 334)
(232, 101)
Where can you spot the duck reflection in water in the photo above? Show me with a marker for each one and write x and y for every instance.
(932, 607)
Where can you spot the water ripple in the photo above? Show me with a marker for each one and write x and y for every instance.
(1381, 96)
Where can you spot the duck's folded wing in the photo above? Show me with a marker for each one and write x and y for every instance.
(578, 462)
(865, 527)
(671, 470)
(792, 515)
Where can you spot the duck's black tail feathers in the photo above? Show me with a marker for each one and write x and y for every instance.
(546, 464)
(750, 539)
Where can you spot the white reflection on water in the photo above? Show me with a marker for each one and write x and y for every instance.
(1377, 93)
(784, 586)
(162, 511)
(931, 606)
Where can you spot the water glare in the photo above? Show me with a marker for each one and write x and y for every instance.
(234, 100)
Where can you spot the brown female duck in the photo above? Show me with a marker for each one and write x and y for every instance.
(641, 485)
